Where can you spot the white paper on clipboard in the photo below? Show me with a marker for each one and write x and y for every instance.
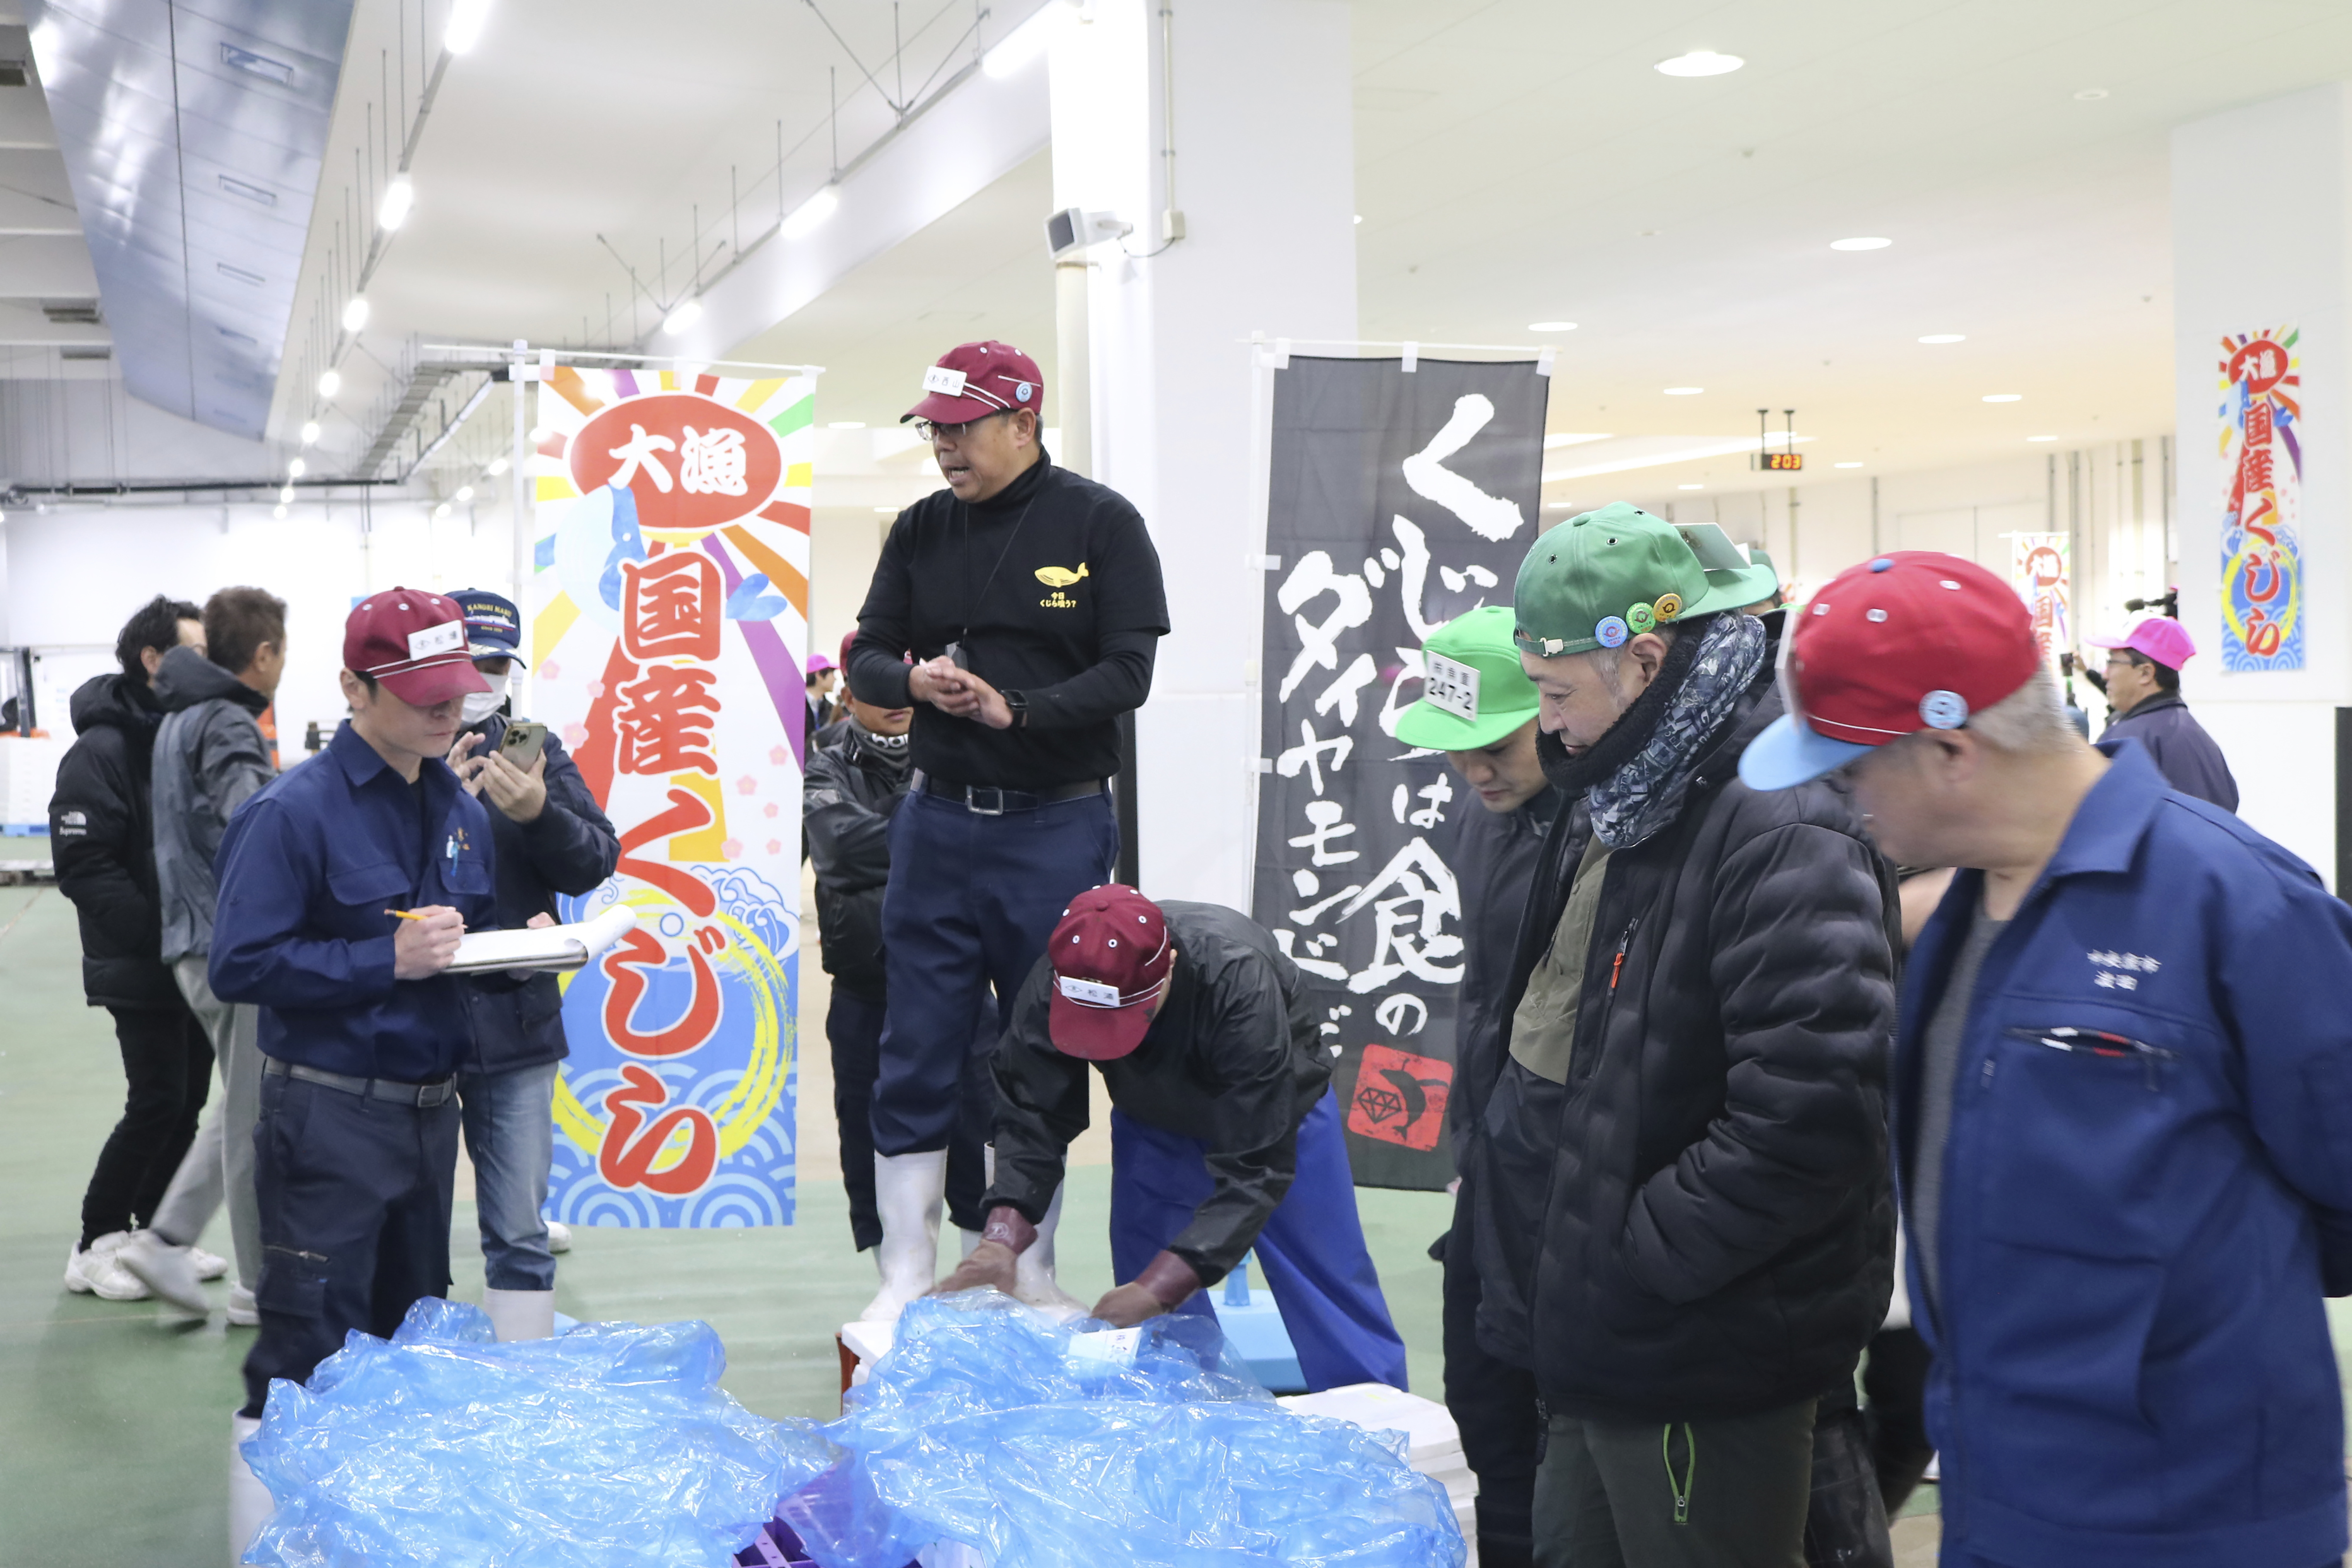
(548, 947)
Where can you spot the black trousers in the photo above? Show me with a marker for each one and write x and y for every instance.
(1493, 1405)
(167, 1065)
(853, 1027)
(354, 1196)
(1895, 1381)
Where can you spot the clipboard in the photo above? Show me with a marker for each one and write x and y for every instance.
(553, 948)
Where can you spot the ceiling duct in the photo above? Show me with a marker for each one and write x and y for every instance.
(194, 141)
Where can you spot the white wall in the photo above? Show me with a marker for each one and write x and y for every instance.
(74, 574)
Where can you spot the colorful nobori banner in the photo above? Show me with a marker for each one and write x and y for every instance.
(2040, 568)
(1398, 498)
(2262, 505)
(670, 620)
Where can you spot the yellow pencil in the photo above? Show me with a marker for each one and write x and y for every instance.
(405, 914)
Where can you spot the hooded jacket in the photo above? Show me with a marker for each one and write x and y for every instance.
(853, 790)
(1234, 1059)
(102, 833)
(1697, 1222)
(210, 759)
(1494, 861)
(569, 848)
(2180, 746)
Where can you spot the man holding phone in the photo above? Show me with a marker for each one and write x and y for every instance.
(550, 838)
(362, 1034)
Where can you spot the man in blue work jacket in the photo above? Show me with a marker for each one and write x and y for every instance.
(2122, 1082)
(344, 888)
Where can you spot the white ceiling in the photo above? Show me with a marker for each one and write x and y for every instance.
(1516, 160)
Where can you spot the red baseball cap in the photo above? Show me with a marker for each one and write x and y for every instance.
(1915, 640)
(2159, 637)
(412, 643)
(1110, 954)
(973, 381)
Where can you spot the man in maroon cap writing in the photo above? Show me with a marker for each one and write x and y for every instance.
(1030, 599)
(1224, 1133)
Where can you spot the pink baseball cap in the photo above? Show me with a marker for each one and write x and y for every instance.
(2160, 637)
(973, 381)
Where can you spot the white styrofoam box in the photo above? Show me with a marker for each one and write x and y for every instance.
(1431, 1438)
(869, 1342)
(29, 776)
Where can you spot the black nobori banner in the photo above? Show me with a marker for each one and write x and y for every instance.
(1397, 499)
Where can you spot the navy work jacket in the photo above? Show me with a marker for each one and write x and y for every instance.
(2132, 1363)
(308, 868)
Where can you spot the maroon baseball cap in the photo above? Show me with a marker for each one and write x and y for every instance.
(1915, 640)
(1109, 956)
(973, 381)
(2159, 637)
(414, 644)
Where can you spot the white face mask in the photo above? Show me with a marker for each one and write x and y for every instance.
(480, 705)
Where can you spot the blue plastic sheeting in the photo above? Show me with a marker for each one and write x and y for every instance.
(1042, 1447)
(612, 1446)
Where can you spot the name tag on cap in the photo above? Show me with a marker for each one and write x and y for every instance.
(1088, 992)
(1450, 686)
(939, 378)
(445, 638)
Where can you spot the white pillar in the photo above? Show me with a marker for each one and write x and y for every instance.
(2261, 198)
(1264, 177)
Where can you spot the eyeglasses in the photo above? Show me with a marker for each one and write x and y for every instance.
(931, 429)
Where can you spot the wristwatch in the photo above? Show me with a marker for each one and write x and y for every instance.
(1019, 703)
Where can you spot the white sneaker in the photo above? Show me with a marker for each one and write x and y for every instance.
(167, 1271)
(208, 1265)
(95, 1270)
(242, 1312)
(559, 1236)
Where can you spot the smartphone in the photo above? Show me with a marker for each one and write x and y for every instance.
(524, 743)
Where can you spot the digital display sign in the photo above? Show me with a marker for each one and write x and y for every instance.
(1788, 462)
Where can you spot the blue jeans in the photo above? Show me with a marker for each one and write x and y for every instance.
(509, 1121)
(1312, 1247)
(970, 903)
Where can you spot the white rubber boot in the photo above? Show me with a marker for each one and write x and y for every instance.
(911, 1191)
(1032, 1280)
(520, 1314)
(968, 1240)
(249, 1502)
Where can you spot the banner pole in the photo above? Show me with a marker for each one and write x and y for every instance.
(519, 460)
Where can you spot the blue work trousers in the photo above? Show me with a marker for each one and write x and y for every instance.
(1312, 1246)
(509, 1121)
(970, 903)
(355, 1198)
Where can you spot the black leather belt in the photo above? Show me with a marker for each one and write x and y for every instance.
(987, 800)
(423, 1096)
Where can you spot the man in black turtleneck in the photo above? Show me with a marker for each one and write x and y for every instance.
(1031, 600)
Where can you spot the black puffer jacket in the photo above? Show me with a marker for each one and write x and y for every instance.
(1494, 860)
(854, 784)
(101, 831)
(1697, 1222)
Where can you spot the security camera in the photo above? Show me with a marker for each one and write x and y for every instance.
(1069, 232)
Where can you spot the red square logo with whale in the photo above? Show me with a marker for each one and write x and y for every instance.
(1399, 1098)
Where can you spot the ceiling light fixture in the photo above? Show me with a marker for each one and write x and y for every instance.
(1690, 487)
(1573, 438)
(278, 511)
(466, 18)
(499, 466)
(2091, 95)
(846, 424)
(297, 468)
(1658, 451)
(1845, 465)
(1027, 41)
(539, 434)
(330, 382)
(1551, 326)
(355, 314)
(1862, 242)
(441, 511)
(1684, 391)
(285, 494)
(309, 431)
(2042, 437)
(2004, 397)
(465, 493)
(1945, 338)
(1359, 217)
(398, 198)
(1699, 62)
(688, 312)
(811, 215)
(888, 510)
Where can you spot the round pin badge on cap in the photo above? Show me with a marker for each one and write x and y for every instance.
(1944, 710)
(1610, 632)
(1668, 606)
(1641, 618)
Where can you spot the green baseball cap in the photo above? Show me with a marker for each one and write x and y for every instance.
(1473, 689)
(1599, 579)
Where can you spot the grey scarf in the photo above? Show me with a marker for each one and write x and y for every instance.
(1640, 797)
